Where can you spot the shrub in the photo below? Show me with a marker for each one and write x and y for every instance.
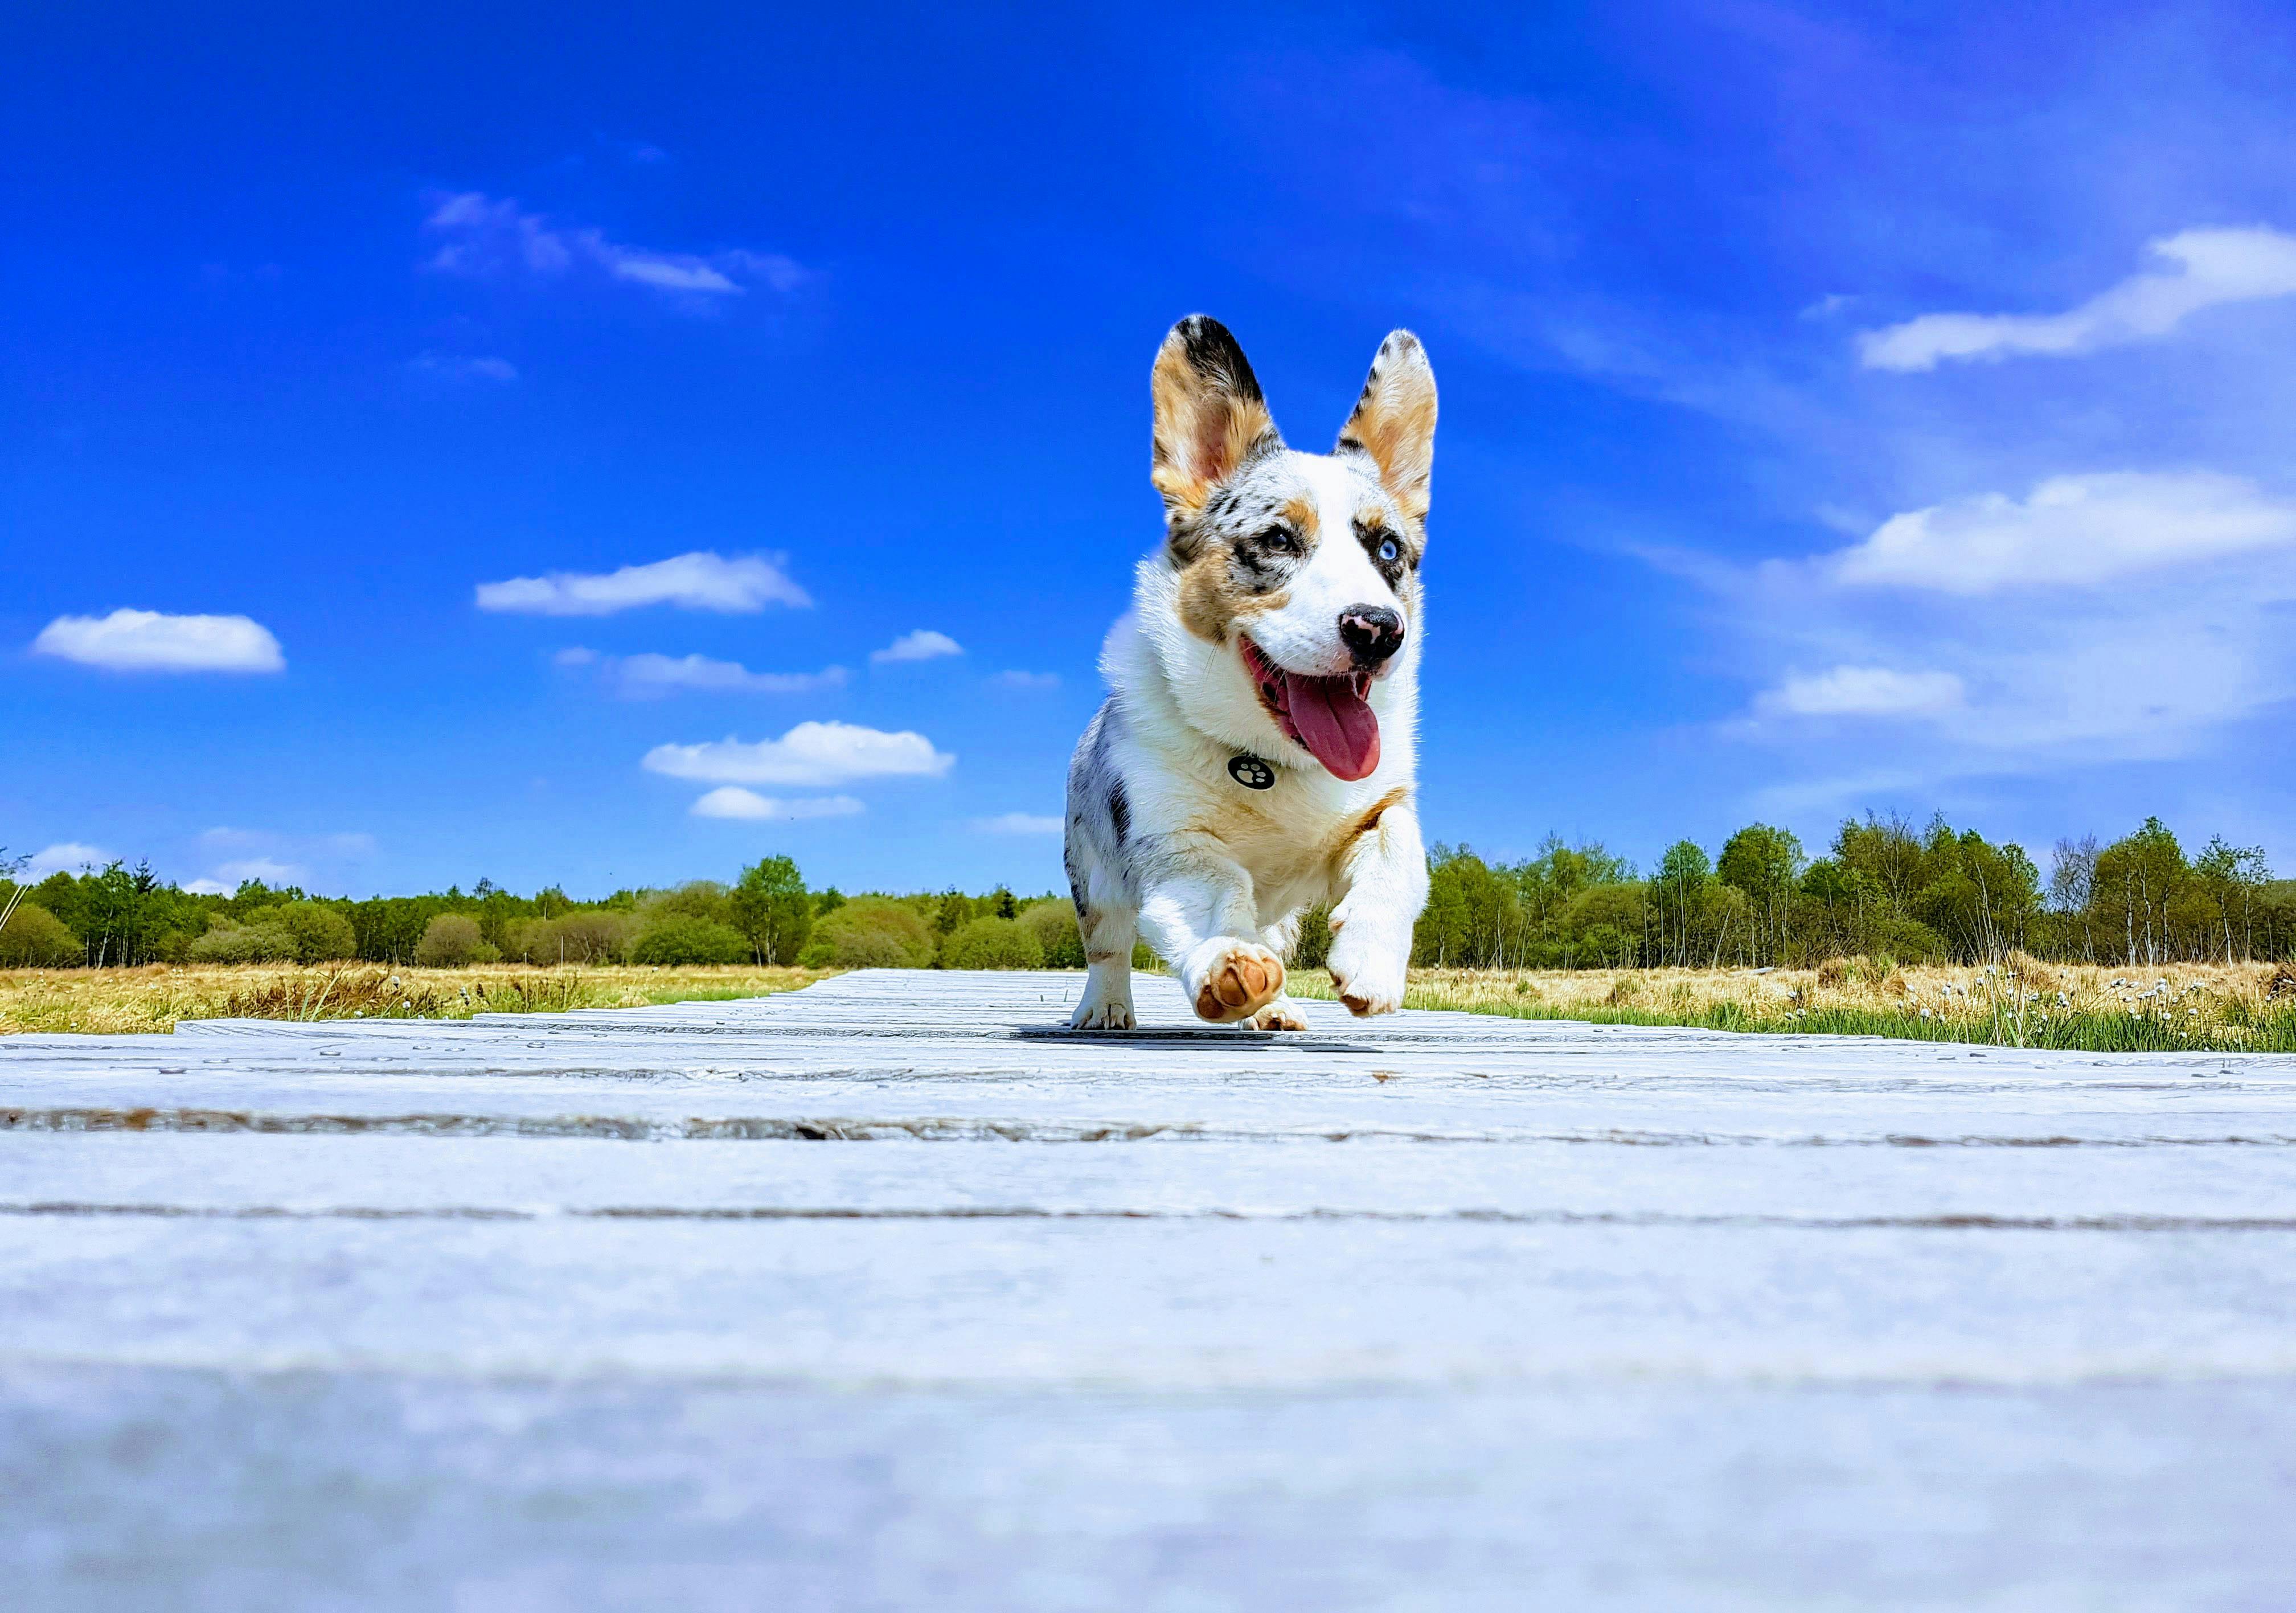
(450, 941)
(263, 942)
(322, 934)
(1314, 948)
(871, 932)
(992, 943)
(1055, 925)
(690, 941)
(36, 938)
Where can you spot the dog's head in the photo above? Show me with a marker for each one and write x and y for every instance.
(1294, 578)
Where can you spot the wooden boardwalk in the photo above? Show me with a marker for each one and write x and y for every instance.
(886, 1296)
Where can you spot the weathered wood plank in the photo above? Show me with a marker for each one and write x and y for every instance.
(282, 1493)
(245, 1173)
(878, 1295)
(1164, 1305)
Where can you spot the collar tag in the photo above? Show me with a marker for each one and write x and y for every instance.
(1250, 772)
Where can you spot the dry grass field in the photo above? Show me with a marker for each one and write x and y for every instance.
(152, 999)
(2021, 1003)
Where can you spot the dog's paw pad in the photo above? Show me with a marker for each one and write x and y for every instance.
(1241, 981)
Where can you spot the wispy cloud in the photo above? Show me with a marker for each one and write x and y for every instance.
(491, 238)
(65, 857)
(2071, 531)
(651, 677)
(460, 370)
(923, 644)
(1019, 681)
(731, 801)
(1019, 823)
(2205, 268)
(150, 641)
(268, 870)
(811, 755)
(347, 845)
(276, 857)
(1863, 691)
(703, 581)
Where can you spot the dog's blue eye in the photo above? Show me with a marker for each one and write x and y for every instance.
(1390, 551)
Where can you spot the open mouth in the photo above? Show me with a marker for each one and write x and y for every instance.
(1329, 718)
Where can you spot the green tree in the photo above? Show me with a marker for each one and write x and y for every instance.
(2138, 881)
(1764, 862)
(772, 908)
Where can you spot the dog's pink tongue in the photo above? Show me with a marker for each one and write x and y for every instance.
(1336, 723)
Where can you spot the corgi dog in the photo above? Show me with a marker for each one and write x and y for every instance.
(1255, 757)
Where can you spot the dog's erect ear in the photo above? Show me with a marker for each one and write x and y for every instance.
(1394, 420)
(1210, 415)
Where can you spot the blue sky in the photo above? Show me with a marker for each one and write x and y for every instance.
(560, 416)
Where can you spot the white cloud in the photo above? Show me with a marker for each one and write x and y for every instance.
(1863, 691)
(649, 677)
(1031, 681)
(2071, 531)
(148, 641)
(460, 368)
(1019, 823)
(2101, 618)
(2207, 267)
(731, 801)
(207, 887)
(811, 755)
(703, 581)
(923, 644)
(481, 236)
(65, 857)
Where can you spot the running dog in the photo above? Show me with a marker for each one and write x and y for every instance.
(1255, 757)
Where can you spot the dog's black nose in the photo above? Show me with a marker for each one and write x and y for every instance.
(1372, 631)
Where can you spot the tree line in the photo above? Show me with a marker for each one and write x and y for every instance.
(1882, 888)
(123, 916)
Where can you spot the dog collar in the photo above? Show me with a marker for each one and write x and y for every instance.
(1254, 774)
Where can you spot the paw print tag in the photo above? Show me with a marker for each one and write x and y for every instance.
(1251, 773)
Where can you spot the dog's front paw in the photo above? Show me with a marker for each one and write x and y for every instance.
(1281, 1014)
(1368, 977)
(1101, 1013)
(1237, 979)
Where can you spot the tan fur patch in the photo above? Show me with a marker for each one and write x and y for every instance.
(1301, 513)
(1343, 842)
(1202, 434)
(1210, 601)
(1395, 422)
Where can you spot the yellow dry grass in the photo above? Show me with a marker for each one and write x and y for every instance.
(2019, 1003)
(115, 1001)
